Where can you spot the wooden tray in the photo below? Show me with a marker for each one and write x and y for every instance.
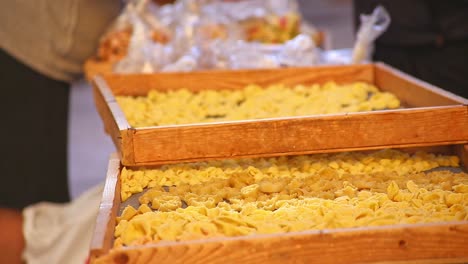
(94, 67)
(443, 242)
(433, 117)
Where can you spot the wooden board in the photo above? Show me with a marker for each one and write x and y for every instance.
(299, 135)
(141, 84)
(94, 67)
(424, 243)
(102, 239)
(444, 242)
(433, 117)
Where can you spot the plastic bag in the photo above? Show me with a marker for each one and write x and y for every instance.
(208, 34)
(300, 51)
(269, 21)
(244, 55)
(144, 55)
(372, 26)
(185, 63)
(123, 21)
(115, 42)
(222, 37)
(245, 9)
(338, 56)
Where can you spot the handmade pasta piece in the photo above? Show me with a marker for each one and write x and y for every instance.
(285, 194)
(253, 102)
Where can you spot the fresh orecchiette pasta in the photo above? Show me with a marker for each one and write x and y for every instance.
(287, 194)
(253, 102)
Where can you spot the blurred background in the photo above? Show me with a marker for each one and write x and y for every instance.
(89, 147)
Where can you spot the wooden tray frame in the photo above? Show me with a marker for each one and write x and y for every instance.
(437, 117)
(94, 67)
(443, 242)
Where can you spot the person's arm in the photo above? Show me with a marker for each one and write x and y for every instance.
(11, 236)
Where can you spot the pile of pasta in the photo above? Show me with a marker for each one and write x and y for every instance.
(286, 194)
(253, 102)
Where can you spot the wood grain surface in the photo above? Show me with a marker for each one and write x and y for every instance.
(419, 243)
(462, 152)
(103, 235)
(290, 136)
(94, 67)
(115, 123)
(140, 84)
(444, 242)
(436, 118)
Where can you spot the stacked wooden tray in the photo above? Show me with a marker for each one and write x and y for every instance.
(443, 242)
(433, 120)
(94, 67)
(432, 117)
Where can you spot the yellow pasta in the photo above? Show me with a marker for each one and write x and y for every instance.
(286, 194)
(297, 167)
(252, 102)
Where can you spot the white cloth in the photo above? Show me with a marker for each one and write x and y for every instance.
(61, 233)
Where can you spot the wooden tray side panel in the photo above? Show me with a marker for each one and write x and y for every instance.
(93, 67)
(419, 243)
(110, 203)
(356, 131)
(423, 243)
(115, 123)
(384, 129)
(110, 127)
(411, 91)
(462, 152)
(140, 84)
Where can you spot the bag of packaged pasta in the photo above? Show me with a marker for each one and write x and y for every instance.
(114, 44)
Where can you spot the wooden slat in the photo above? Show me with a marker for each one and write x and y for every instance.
(294, 135)
(443, 148)
(108, 96)
(110, 126)
(462, 152)
(93, 67)
(417, 243)
(421, 243)
(288, 136)
(140, 84)
(105, 223)
(436, 149)
(128, 150)
(115, 123)
(411, 91)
